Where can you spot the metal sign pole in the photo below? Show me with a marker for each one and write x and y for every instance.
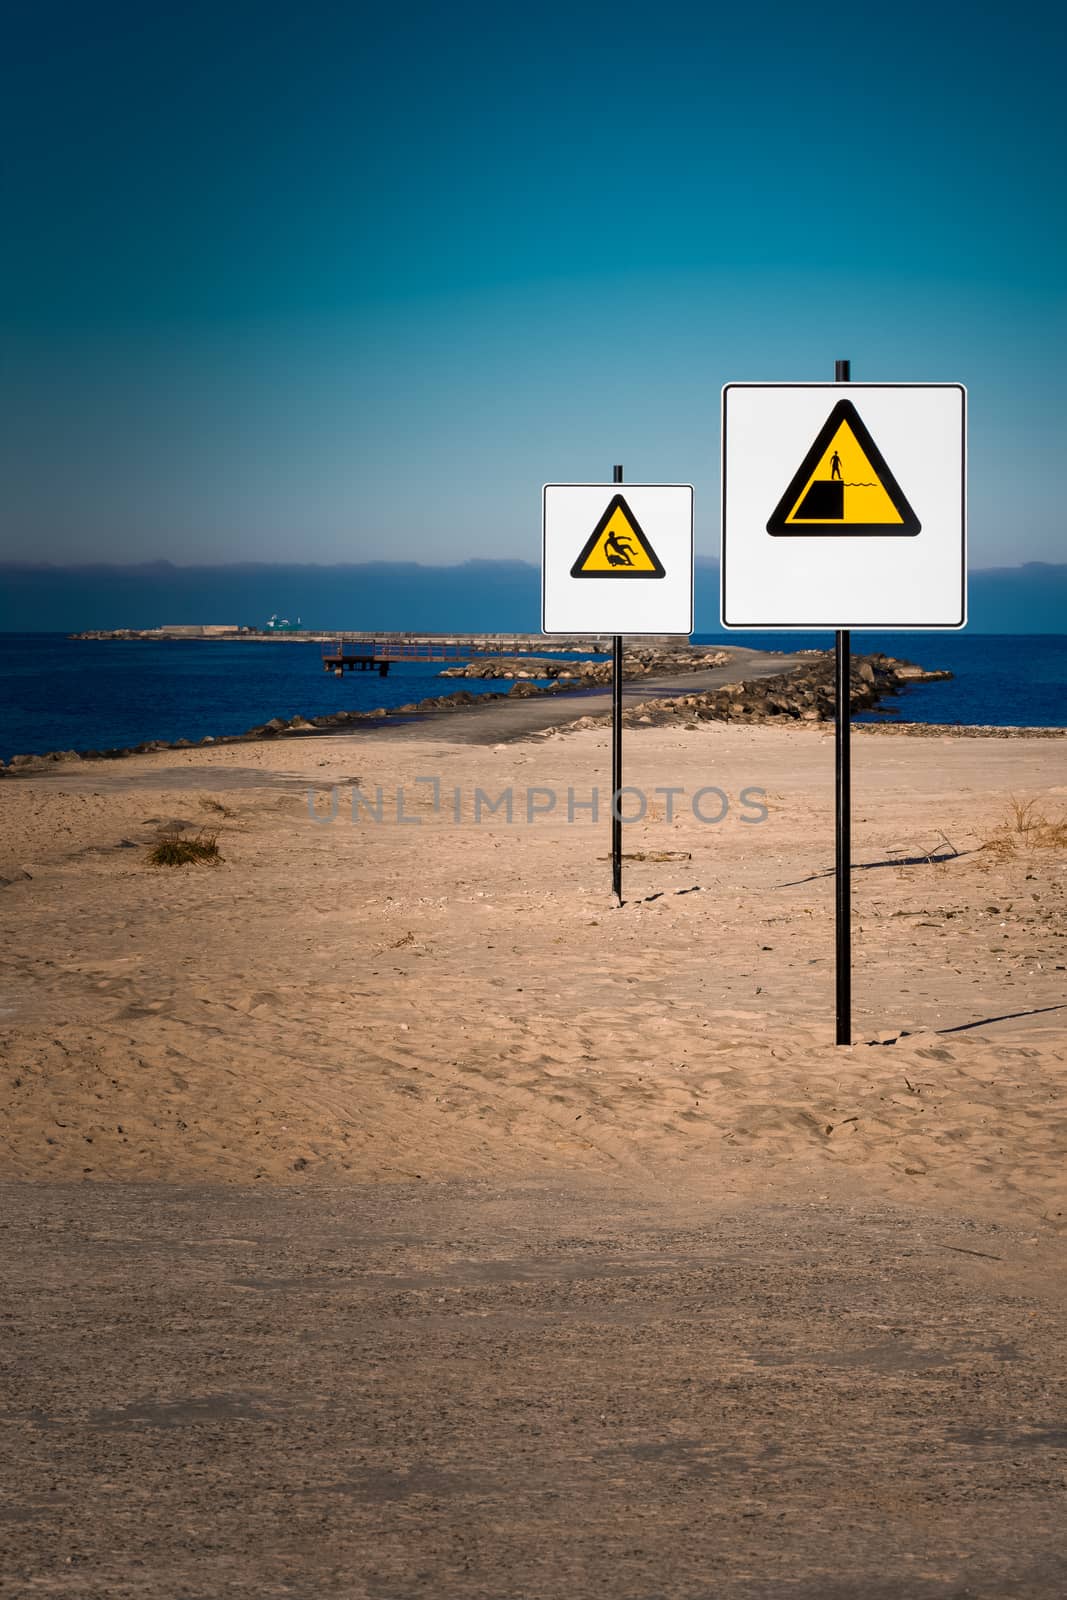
(843, 809)
(616, 750)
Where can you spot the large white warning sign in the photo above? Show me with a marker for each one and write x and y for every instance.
(617, 558)
(843, 505)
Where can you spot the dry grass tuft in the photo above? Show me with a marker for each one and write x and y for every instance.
(173, 850)
(1026, 828)
(208, 803)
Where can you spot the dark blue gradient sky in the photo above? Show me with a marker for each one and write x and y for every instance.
(321, 282)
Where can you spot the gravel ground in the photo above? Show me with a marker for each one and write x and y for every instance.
(460, 1390)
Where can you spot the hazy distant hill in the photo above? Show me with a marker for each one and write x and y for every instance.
(498, 595)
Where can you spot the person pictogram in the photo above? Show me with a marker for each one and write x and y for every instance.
(618, 547)
(618, 550)
(835, 467)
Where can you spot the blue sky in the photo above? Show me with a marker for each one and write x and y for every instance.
(324, 283)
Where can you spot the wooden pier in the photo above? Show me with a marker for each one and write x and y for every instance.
(351, 655)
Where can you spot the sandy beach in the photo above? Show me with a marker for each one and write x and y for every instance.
(430, 1004)
(374, 997)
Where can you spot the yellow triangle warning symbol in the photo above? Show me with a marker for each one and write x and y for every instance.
(618, 547)
(843, 485)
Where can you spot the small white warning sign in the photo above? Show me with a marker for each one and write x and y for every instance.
(617, 559)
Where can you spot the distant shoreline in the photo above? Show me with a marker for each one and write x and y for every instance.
(204, 633)
(395, 595)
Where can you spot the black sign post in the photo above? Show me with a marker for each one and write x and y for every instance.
(616, 750)
(843, 808)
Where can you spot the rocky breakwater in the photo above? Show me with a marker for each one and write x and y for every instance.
(276, 728)
(638, 662)
(804, 695)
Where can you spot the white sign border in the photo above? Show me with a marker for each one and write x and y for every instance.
(843, 390)
(630, 633)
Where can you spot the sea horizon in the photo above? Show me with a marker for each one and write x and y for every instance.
(1030, 597)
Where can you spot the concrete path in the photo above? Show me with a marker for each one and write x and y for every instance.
(502, 719)
(469, 1393)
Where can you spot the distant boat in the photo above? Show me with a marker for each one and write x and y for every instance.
(282, 625)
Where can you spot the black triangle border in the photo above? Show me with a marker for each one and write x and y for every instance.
(844, 411)
(619, 572)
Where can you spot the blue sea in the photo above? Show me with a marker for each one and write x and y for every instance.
(65, 694)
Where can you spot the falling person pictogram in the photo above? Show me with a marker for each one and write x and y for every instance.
(618, 550)
(618, 547)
